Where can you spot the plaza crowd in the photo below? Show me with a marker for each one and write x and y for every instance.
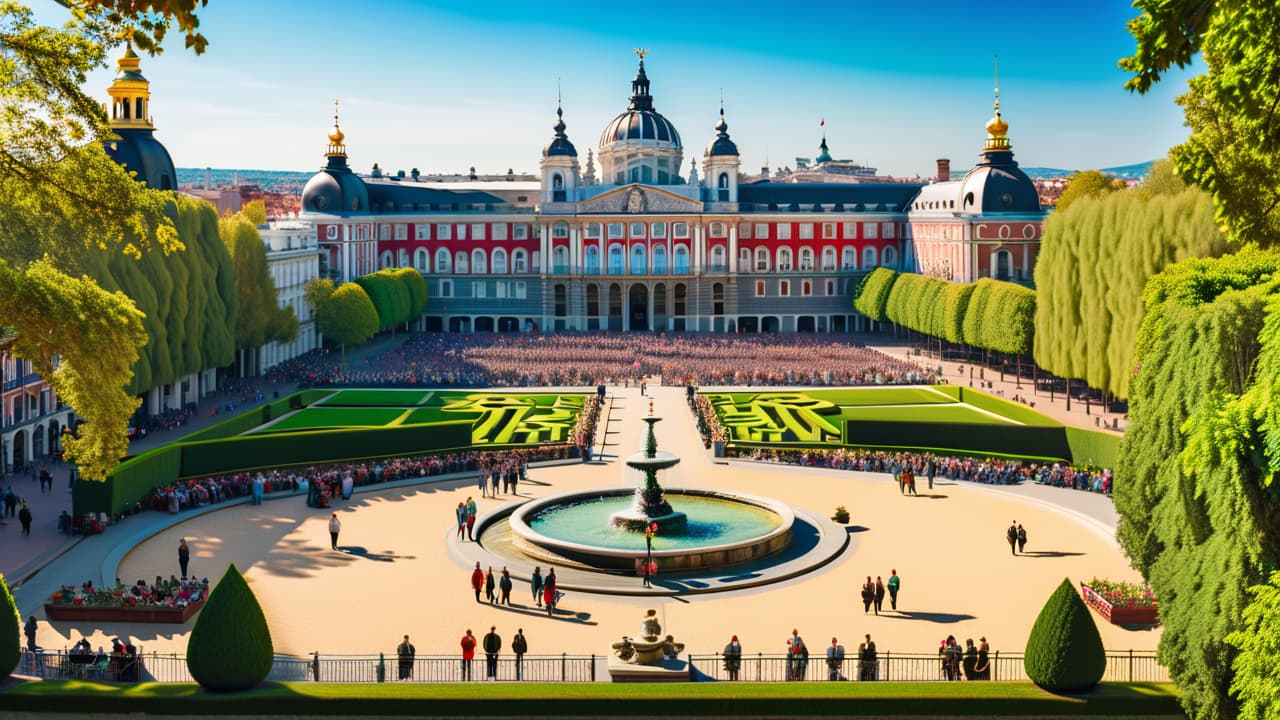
(508, 360)
(994, 471)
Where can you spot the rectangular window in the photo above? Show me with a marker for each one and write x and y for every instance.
(717, 230)
(762, 231)
(500, 290)
(422, 232)
(402, 231)
(869, 231)
(784, 287)
(462, 232)
(831, 287)
(446, 288)
(615, 231)
(331, 232)
(499, 231)
(828, 231)
(806, 231)
(784, 231)
(850, 230)
(680, 230)
(593, 231)
(887, 234)
(477, 231)
(759, 288)
(478, 289)
(444, 232)
(659, 230)
(806, 288)
(637, 230)
(522, 291)
(744, 231)
(520, 231)
(384, 232)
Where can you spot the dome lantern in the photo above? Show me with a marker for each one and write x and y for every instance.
(337, 146)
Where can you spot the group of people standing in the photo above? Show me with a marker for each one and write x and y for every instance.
(797, 659)
(508, 471)
(492, 646)
(873, 592)
(546, 592)
(972, 663)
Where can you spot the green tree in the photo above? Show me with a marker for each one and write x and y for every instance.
(1064, 650)
(955, 301)
(1162, 179)
(10, 631)
(873, 294)
(390, 297)
(259, 317)
(417, 287)
(1089, 183)
(347, 316)
(1257, 674)
(230, 647)
(1234, 148)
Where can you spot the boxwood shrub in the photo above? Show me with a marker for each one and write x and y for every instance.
(10, 631)
(1064, 651)
(230, 647)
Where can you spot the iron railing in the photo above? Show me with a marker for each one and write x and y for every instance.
(156, 667)
(1127, 666)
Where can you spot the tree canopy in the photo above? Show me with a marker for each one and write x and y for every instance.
(987, 314)
(347, 315)
(259, 318)
(1088, 183)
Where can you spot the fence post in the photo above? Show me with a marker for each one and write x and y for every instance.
(315, 666)
(593, 667)
(564, 667)
(382, 668)
(1130, 664)
(887, 665)
(995, 669)
(759, 667)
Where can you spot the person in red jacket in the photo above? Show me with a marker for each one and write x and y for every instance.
(468, 653)
(477, 581)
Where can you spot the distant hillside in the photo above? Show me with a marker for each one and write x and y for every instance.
(273, 180)
(1136, 171)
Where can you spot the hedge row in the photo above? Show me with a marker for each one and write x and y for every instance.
(1004, 408)
(131, 481)
(873, 294)
(251, 419)
(1018, 440)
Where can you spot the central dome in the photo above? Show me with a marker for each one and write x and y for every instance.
(640, 145)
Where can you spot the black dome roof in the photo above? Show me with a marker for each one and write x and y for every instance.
(560, 145)
(139, 151)
(722, 145)
(335, 190)
(640, 125)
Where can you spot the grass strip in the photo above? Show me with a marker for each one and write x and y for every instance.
(600, 699)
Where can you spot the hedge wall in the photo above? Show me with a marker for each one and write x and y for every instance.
(873, 294)
(131, 481)
(1092, 447)
(1021, 440)
(991, 403)
(253, 418)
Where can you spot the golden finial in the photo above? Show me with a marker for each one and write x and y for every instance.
(641, 52)
(336, 135)
(129, 61)
(997, 128)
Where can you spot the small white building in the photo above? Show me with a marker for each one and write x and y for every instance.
(293, 258)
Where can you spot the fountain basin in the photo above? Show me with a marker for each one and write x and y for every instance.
(722, 529)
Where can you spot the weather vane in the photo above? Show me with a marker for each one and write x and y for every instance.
(641, 52)
(335, 112)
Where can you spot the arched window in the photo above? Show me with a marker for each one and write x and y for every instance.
(806, 259)
(460, 262)
(681, 294)
(762, 259)
(615, 259)
(717, 299)
(592, 255)
(850, 260)
(560, 259)
(659, 260)
(722, 187)
(889, 257)
(478, 264)
(557, 188)
(519, 263)
(681, 262)
(499, 261)
(444, 262)
(420, 260)
(1003, 265)
(717, 258)
(868, 258)
(744, 260)
(402, 258)
(828, 258)
(387, 259)
(784, 259)
(638, 263)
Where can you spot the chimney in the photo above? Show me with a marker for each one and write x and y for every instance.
(944, 169)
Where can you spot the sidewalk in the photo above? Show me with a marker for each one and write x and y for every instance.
(21, 556)
(1080, 415)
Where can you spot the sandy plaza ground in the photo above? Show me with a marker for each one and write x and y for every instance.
(397, 574)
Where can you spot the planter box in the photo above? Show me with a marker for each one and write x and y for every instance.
(139, 614)
(1119, 615)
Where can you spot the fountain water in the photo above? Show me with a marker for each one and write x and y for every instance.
(650, 506)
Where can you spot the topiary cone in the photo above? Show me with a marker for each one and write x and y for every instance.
(1064, 651)
(230, 648)
(10, 631)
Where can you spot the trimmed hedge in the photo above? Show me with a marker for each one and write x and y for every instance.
(230, 647)
(1064, 650)
(253, 418)
(1020, 440)
(873, 294)
(10, 631)
(131, 481)
(1091, 447)
(1004, 408)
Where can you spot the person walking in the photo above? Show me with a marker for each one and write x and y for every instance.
(519, 646)
(184, 557)
(879, 594)
(1012, 536)
(24, 517)
(258, 483)
(733, 657)
(910, 479)
(482, 480)
(461, 514)
(535, 583)
(835, 660)
(504, 588)
(30, 630)
(492, 645)
(933, 468)
(802, 654)
(477, 581)
(868, 595)
(471, 519)
(549, 592)
(1022, 539)
(894, 583)
(335, 527)
(489, 584)
(404, 658)
(468, 644)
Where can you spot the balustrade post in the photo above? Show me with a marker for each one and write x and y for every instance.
(593, 667)
(1130, 664)
(564, 667)
(995, 669)
(382, 668)
(759, 667)
(887, 664)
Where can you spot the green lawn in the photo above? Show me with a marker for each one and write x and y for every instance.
(314, 418)
(600, 699)
(953, 413)
(377, 398)
(860, 396)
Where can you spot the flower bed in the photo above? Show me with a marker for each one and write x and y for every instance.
(176, 615)
(1121, 603)
(167, 601)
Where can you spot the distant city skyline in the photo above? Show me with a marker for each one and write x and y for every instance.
(444, 89)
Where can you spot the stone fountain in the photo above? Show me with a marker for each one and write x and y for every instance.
(650, 504)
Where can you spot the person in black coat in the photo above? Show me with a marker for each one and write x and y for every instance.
(404, 656)
(519, 646)
(24, 517)
(492, 644)
(868, 595)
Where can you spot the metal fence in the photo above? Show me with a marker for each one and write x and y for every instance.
(1129, 666)
(154, 667)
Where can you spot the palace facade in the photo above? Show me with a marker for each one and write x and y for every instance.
(633, 241)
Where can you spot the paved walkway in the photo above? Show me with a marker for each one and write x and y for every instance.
(394, 573)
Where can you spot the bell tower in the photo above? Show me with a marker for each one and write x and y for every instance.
(130, 94)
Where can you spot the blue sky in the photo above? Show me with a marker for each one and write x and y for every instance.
(443, 87)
